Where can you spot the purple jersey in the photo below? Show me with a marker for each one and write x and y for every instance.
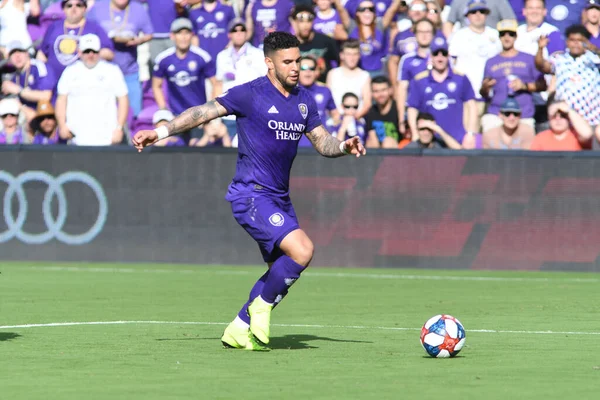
(211, 27)
(326, 25)
(444, 100)
(162, 13)
(60, 44)
(270, 19)
(127, 23)
(269, 128)
(503, 69)
(40, 138)
(372, 51)
(185, 77)
(412, 64)
(37, 78)
(323, 99)
(14, 138)
(405, 42)
(564, 13)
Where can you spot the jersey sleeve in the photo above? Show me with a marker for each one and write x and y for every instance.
(403, 71)
(415, 97)
(210, 69)
(313, 120)
(236, 100)
(159, 69)
(330, 103)
(105, 42)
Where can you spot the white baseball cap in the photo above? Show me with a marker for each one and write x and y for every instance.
(9, 106)
(89, 42)
(162, 115)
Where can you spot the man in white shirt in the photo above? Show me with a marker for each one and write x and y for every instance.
(472, 46)
(87, 90)
(529, 33)
(237, 64)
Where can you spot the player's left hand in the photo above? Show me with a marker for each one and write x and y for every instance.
(354, 146)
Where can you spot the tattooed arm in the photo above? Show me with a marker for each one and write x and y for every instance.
(329, 146)
(195, 116)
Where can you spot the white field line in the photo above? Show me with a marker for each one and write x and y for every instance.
(347, 327)
(313, 273)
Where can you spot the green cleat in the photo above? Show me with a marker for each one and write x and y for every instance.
(260, 319)
(237, 337)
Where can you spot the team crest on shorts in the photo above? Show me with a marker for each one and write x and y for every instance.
(303, 110)
(276, 219)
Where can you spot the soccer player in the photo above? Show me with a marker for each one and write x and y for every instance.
(269, 128)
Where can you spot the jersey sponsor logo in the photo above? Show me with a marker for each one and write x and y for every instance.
(267, 17)
(287, 130)
(183, 78)
(276, 219)
(210, 31)
(273, 110)
(303, 110)
(441, 101)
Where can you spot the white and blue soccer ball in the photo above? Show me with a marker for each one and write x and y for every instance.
(442, 336)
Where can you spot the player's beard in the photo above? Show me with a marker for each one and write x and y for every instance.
(285, 81)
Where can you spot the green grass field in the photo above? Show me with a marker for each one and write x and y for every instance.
(340, 334)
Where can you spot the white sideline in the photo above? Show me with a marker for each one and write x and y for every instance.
(317, 274)
(55, 324)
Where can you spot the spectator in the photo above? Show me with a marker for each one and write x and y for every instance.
(434, 14)
(13, 21)
(92, 104)
(163, 117)
(510, 73)
(382, 119)
(529, 33)
(403, 41)
(498, 10)
(266, 16)
(564, 13)
(11, 132)
(60, 46)
(592, 17)
(513, 134)
(211, 19)
(124, 21)
(428, 130)
(321, 93)
(185, 68)
(331, 19)
(44, 126)
(473, 45)
(568, 130)
(381, 6)
(31, 82)
(239, 63)
(321, 47)
(215, 135)
(446, 95)
(349, 77)
(371, 36)
(412, 64)
(576, 71)
(350, 125)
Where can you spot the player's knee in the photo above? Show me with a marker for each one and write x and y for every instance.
(303, 253)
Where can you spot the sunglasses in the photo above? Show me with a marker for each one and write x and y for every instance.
(71, 5)
(509, 113)
(559, 114)
(504, 33)
(433, 11)
(238, 30)
(348, 107)
(484, 12)
(89, 51)
(418, 7)
(305, 17)
(442, 52)
(307, 68)
(363, 9)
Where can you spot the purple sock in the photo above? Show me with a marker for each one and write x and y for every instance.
(283, 273)
(256, 290)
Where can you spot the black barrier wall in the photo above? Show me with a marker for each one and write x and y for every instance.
(485, 211)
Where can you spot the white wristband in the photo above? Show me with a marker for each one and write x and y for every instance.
(162, 132)
(343, 148)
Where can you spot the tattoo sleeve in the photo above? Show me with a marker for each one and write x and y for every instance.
(195, 116)
(324, 142)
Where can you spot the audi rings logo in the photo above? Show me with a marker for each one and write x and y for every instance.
(54, 226)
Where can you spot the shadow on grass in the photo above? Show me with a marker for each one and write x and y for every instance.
(5, 336)
(188, 338)
(298, 342)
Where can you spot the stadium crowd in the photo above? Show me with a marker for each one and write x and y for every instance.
(457, 74)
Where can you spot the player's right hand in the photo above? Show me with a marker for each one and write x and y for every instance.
(144, 139)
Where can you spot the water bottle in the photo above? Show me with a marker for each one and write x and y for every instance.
(351, 130)
(510, 78)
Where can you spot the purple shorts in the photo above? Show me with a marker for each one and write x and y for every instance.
(268, 219)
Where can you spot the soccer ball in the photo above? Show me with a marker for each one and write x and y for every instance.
(442, 336)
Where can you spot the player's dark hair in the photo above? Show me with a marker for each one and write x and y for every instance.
(302, 8)
(381, 79)
(275, 41)
(424, 20)
(577, 29)
(348, 95)
(350, 44)
(425, 117)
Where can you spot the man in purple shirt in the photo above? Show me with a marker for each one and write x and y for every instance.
(185, 67)
(210, 19)
(445, 95)
(592, 15)
(123, 21)
(266, 16)
(271, 124)
(510, 73)
(31, 82)
(60, 46)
